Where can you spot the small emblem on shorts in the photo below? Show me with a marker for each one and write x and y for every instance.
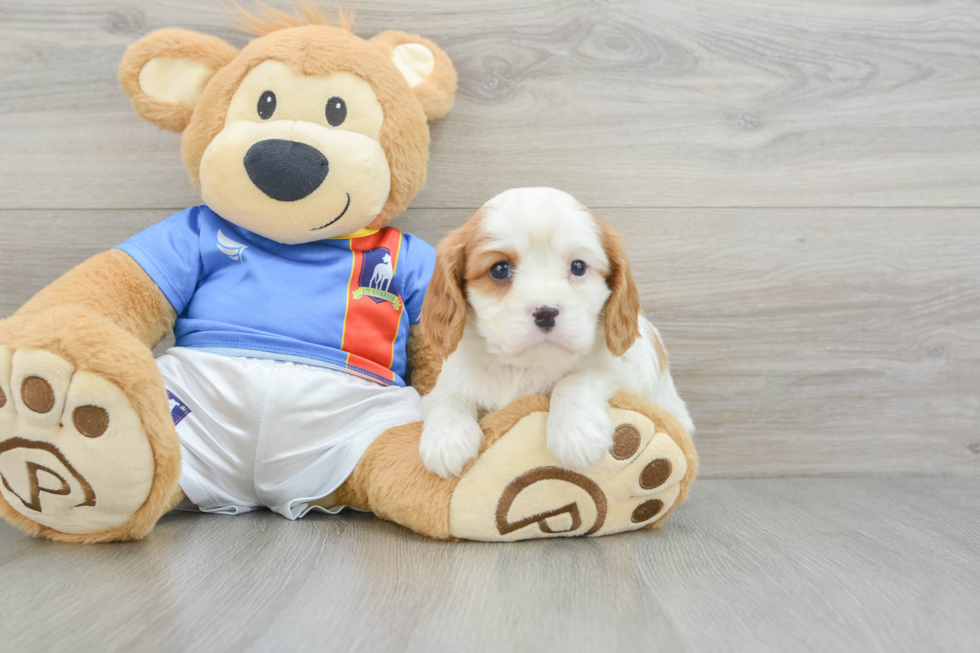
(234, 251)
(178, 409)
(377, 279)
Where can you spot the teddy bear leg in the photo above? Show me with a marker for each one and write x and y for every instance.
(391, 481)
(88, 452)
(516, 489)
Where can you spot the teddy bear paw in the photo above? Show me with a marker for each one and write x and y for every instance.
(517, 489)
(73, 453)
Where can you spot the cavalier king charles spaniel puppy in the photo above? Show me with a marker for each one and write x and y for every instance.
(534, 296)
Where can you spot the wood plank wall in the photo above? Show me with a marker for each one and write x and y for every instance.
(798, 183)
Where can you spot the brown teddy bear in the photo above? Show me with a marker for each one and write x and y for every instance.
(294, 308)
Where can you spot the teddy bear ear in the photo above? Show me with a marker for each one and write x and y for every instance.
(165, 72)
(427, 69)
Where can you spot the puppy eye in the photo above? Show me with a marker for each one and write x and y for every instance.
(578, 268)
(336, 111)
(267, 105)
(500, 271)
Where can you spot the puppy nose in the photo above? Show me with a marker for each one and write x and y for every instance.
(544, 317)
(285, 170)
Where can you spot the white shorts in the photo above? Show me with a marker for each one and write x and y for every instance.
(256, 432)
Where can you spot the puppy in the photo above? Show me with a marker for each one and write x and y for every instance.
(534, 295)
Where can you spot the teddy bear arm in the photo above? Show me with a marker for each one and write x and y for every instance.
(76, 364)
(424, 364)
(114, 286)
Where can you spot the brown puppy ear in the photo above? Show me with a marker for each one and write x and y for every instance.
(427, 69)
(444, 307)
(622, 323)
(165, 72)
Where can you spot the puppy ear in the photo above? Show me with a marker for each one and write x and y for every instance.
(165, 72)
(622, 322)
(427, 69)
(444, 306)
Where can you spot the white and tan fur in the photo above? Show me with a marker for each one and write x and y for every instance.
(494, 351)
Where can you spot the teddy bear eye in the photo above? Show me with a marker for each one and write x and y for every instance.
(267, 105)
(336, 111)
(578, 268)
(500, 271)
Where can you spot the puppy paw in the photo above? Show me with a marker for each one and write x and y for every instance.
(449, 442)
(579, 437)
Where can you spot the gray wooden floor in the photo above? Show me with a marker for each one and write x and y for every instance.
(748, 565)
(798, 184)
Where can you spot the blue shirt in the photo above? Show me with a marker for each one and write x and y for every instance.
(343, 303)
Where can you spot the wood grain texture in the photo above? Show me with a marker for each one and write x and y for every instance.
(806, 341)
(746, 565)
(628, 104)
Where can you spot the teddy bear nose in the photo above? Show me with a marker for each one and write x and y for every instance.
(286, 170)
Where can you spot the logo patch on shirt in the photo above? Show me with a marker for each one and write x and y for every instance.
(178, 409)
(234, 251)
(377, 279)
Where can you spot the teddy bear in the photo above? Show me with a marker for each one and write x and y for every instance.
(294, 381)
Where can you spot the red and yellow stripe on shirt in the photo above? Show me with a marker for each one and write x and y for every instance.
(371, 324)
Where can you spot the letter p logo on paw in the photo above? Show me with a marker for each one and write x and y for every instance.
(30, 470)
(544, 485)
